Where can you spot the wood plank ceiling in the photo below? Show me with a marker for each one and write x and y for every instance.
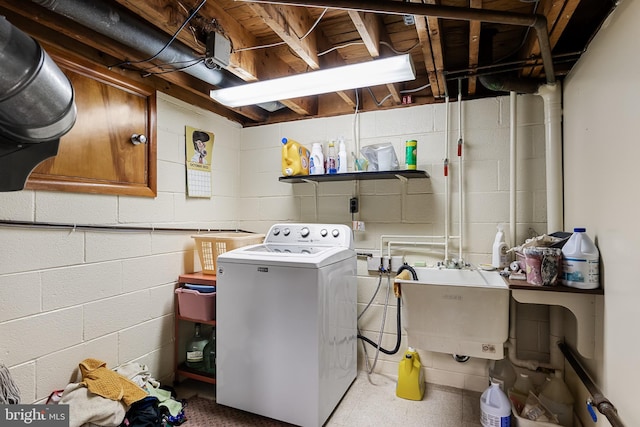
(270, 40)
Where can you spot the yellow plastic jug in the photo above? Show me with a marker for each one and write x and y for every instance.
(411, 383)
(295, 158)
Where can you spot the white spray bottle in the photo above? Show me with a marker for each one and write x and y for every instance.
(342, 156)
(500, 258)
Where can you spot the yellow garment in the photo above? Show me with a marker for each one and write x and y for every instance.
(404, 275)
(109, 384)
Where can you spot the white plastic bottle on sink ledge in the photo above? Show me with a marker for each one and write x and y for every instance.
(500, 257)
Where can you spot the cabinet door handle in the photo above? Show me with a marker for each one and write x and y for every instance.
(138, 139)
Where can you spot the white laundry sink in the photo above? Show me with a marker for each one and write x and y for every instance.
(460, 312)
(461, 277)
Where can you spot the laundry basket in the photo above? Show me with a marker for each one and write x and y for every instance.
(211, 245)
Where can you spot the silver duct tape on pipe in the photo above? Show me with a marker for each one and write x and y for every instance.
(37, 99)
(109, 21)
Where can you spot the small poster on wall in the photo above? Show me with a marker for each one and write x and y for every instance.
(199, 146)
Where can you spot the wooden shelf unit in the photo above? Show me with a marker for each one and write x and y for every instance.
(180, 368)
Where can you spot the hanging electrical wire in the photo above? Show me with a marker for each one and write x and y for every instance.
(264, 46)
(379, 103)
(398, 52)
(191, 63)
(175, 35)
(340, 47)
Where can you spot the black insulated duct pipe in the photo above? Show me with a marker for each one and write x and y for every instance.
(37, 106)
(104, 18)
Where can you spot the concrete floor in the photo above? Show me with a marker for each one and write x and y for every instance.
(371, 401)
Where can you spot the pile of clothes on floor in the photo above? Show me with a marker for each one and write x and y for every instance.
(126, 396)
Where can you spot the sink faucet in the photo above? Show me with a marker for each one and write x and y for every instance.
(453, 263)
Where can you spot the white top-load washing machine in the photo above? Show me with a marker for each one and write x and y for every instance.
(286, 323)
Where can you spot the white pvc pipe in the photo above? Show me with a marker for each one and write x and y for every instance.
(412, 242)
(513, 139)
(460, 180)
(550, 93)
(446, 178)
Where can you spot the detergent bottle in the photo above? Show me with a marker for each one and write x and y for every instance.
(316, 161)
(295, 158)
(500, 258)
(411, 383)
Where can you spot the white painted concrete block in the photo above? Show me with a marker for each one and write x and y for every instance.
(80, 284)
(144, 338)
(115, 314)
(20, 295)
(101, 246)
(17, 205)
(28, 250)
(32, 337)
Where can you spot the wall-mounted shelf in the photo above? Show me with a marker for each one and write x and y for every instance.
(351, 176)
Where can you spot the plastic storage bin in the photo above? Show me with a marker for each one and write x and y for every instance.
(211, 245)
(518, 421)
(196, 305)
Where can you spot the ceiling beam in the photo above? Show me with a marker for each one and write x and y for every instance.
(247, 64)
(425, 44)
(433, 23)
(369, 26)
(292, 25)
(372, 32)
(53, 32)
(474, 47)
(538, 22)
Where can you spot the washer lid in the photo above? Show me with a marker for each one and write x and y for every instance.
(287, 255)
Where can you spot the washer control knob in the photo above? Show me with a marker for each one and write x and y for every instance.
(335, 232)
(276, 231)
(324, 232)
(304, 232)
(286, 232)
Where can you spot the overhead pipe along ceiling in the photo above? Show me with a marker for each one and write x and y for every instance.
(123, 27)
(537, 22)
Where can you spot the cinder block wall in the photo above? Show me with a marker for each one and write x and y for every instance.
(68, 295)
(390, 207)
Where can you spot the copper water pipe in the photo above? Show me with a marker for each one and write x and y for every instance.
(537, 22)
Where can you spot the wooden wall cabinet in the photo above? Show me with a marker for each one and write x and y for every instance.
(97, 155)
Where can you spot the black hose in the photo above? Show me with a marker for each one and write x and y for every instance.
(399, 332)
(403, 267)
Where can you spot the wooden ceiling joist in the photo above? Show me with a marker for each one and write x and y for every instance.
(474, 47)
(292, 25)
(372, 32)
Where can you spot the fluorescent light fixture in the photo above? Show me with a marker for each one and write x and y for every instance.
(372, 73)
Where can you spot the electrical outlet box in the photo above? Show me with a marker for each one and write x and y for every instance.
(353, 205)
(373, 263)
(218, 50)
